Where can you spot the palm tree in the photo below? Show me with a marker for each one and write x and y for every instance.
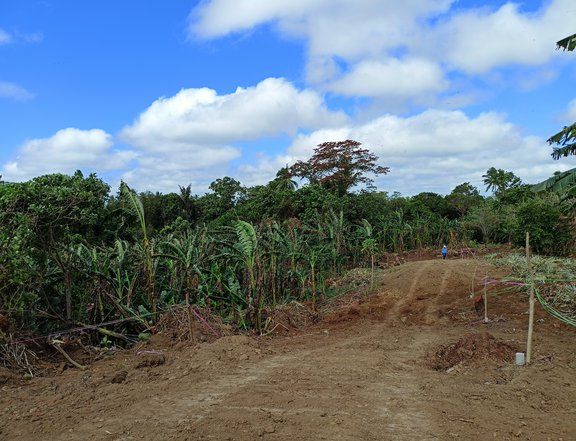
(284, 181)
(563, 184)
(400, 230)
(187, 252)
(568, 43)
(499, 180)
(187, 202)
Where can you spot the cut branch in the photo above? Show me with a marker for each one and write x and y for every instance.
(67, 357)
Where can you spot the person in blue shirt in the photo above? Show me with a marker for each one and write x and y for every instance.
(444, 251)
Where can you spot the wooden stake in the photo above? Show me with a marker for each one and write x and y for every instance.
(531, 301)
(189, 312)
(485, 299)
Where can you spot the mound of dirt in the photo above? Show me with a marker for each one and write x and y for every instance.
(290, 317)
(7, 376)
(472, 348)
(200, 322)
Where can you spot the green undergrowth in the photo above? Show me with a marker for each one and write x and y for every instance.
(554, 281)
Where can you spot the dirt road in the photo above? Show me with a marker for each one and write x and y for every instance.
(414, 362)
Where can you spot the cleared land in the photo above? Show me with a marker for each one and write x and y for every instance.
(414, 362)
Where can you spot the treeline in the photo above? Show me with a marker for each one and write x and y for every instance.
(72, 254)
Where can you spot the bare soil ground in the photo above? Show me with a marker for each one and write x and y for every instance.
(414, 362)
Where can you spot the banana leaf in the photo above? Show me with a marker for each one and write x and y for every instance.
(560, 183)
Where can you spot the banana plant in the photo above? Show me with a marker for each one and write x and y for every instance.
(368, 246)
(114, 279)
(247, 249)
(421, 230)
(145, 247)
(293, 245)
(335, 229)
(272, 241)
(188, 252)
(312, 257)
(401, 230)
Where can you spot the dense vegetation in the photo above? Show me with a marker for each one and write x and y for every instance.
(72, 254)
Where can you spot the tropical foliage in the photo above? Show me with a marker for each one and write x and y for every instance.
(72, 255)
(498, 180)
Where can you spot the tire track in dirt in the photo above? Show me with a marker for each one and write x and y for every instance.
(431, 315)
(425, 293)
(396, 310)
(444, 282)
(417, 277)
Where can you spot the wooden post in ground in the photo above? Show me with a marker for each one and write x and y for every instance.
(486, 299)
(531, 301)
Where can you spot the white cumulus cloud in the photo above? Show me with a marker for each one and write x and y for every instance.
(476, 41)
(350, 42)
(391, 78)
(66, 151)
(180, 137)
(432, 151)
(201, 116)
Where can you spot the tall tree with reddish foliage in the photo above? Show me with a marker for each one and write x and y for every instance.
(339, 166)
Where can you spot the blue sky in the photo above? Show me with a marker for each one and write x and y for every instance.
(162, 94)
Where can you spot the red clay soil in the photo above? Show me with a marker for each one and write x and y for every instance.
(414, 362)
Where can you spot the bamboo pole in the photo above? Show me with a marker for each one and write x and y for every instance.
(531, 301)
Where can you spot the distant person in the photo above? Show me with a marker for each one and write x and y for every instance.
(444, 251)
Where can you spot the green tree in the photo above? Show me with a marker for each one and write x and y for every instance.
(369, 246)
(41, 223)
(428, 202)
(226, 194)
(541, 217)
(263, 202)
(462, 199)
(485, 219)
